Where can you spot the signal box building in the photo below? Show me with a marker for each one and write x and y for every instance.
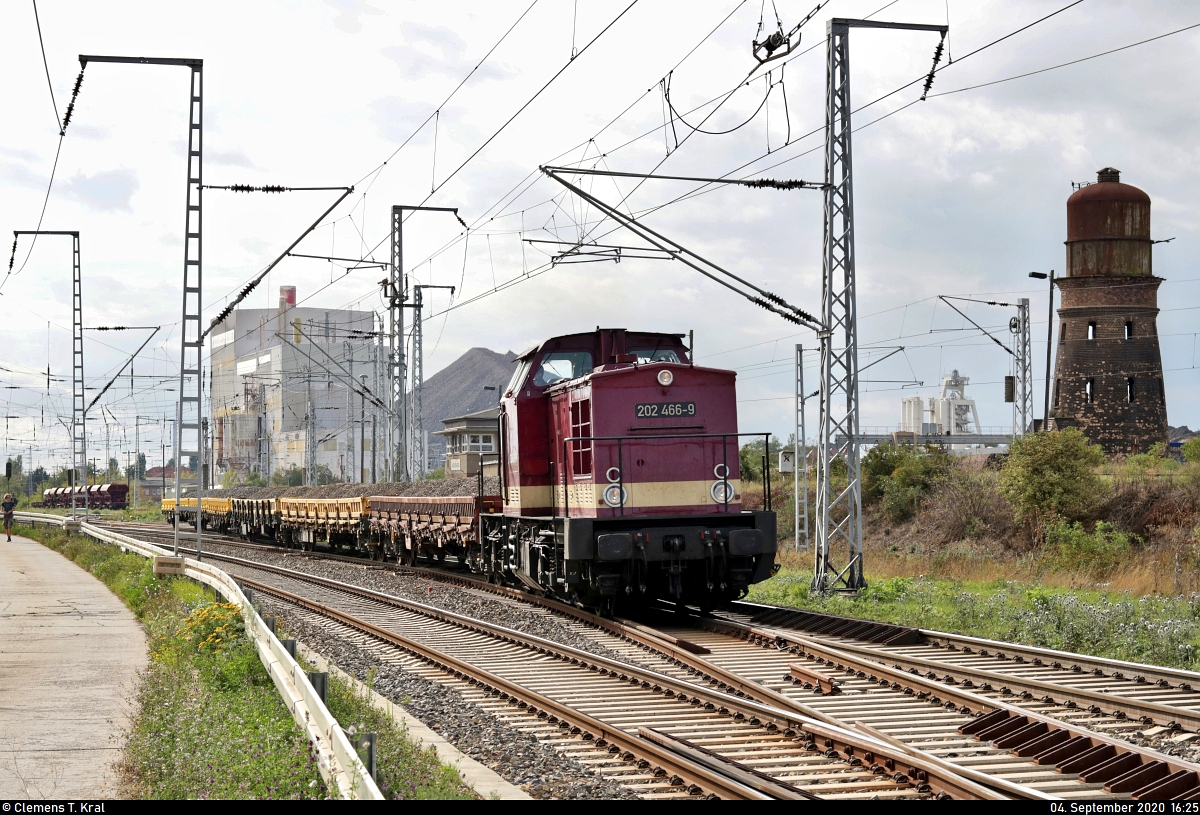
(1108, 378)
(472, 441)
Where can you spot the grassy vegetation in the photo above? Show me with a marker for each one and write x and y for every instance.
(1158, 630)
(209, 722)
(1052, 545)
(404, 770)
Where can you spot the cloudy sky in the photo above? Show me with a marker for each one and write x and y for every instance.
(962, 194)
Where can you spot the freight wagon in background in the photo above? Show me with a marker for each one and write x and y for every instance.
(619, 481)
(97, 496)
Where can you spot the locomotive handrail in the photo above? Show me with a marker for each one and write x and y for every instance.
(562, 465)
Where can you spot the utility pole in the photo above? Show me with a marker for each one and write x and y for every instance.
(310, 434)
(1023, 365)
(1049, 344)
(349, 349)
(374, 410)
(418, 389)
(78, 409)
(397, 371)
(800, 455)
(362, 431)
(189, 409)
(839, 512)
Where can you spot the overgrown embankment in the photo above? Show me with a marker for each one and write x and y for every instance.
(208, 721)
(1153, 629)
(1052, 545)
(405, 771)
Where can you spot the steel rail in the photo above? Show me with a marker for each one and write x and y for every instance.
(683, 652)
(593, 730)
(1180, 678)
(1098, 701)
(1027, 733)
(1116, 668)
(836, 740)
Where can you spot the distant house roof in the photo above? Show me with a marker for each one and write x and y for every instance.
(480, 420)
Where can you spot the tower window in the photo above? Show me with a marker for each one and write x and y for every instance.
(1129, 329)
(1057, 384)
(1062, 334)
(1129, 390)
(1089, 391)
(1091, 331)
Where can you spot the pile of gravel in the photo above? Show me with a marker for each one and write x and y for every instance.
(518, 757)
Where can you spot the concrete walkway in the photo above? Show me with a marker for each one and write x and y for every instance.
(69, 654)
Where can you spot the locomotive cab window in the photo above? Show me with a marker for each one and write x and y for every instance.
(559, 366)
(518, 376)
(655, 355)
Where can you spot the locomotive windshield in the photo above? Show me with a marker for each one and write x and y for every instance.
(559, 365)
(655, 355)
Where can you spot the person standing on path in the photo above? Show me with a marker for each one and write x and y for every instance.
(9, 505)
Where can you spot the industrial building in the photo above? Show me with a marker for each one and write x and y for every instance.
(1108, 377)
(280, 393)
(949, 414)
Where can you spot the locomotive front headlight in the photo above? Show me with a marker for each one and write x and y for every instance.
(615, 495)
(665, 378)
(721, 492)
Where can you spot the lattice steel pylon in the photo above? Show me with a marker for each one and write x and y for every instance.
(189, 435)
(397, 369)
(1023, 369)
(839, 510)
(420, 457)
(78, 403)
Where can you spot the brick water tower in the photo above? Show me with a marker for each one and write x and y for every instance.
(1108, 378)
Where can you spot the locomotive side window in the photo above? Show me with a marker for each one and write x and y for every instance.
(581, 428)
(561, 365)
(655, 355)
(518, 376)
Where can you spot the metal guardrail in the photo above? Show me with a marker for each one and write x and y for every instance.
(337, 759)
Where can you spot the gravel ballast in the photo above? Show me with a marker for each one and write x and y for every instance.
(518, 757)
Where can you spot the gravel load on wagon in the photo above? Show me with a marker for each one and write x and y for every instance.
(432, 488)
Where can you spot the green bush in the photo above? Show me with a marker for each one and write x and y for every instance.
(1069, 547)
(900, 478)
(1191, 450)
(1052, 474)
(877, 467)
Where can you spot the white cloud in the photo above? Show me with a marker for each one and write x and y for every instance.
(105, 191)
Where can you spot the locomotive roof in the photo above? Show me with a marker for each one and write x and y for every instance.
(631, 336)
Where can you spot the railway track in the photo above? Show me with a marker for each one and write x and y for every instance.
(655, 732)
(1128, 692)
(886, 689)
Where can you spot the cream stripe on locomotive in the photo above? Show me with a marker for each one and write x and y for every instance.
(640, 495)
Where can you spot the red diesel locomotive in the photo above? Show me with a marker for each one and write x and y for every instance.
(620, 477)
